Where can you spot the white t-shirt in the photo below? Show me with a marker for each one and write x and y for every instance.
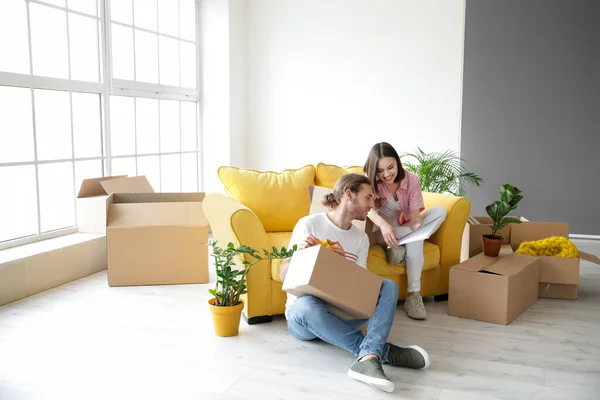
(354, 241)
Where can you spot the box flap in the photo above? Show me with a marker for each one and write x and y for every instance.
(135, 184)
(122, 198)
(476, 264)
(510, 265)
(155, 214)
(530, 231)
(92, 187)
(589, 257)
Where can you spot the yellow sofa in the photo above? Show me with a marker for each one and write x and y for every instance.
(262, 208)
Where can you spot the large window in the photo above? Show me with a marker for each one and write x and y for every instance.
(91, 88)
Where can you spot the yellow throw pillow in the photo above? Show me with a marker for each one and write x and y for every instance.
(328, 174)
(279, 199)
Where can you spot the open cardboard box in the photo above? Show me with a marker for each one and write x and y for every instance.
(493, 289)
(559, 277)
(156, 238)
(92, 205)
(350, 291)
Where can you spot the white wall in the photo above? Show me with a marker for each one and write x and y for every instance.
(223, 88)
(326, 79)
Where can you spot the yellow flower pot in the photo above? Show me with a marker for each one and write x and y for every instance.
(226, 320)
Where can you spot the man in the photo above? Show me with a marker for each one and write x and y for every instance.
(307, 317)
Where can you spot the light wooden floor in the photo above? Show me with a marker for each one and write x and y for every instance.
(85, 340)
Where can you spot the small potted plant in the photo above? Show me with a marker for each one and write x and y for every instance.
(226, 306)
(509, 198)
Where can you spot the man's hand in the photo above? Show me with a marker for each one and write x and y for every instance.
(310, 241)
(337, 247)
(389, 235)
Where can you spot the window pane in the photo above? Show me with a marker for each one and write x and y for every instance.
(86, 125)
(49, 41)
(57, 199)
(83, 37)
(150, 167)
(123, 166)
(147, 126)
(189, 172)
(169, 61)
(187, 19)
(168, 17)
(144, 12)
(60, 3)
(188, 64)
(170, 173)
(52, 124)
(18, 212)
(169, 126)
(122, 52)
(122, 11)
(146, 57)
(87, 169)
(189, 132)
(84, 6)
(16, 127)
(13, 37)
(122, 125)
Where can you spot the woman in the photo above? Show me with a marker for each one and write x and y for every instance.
(397, 212)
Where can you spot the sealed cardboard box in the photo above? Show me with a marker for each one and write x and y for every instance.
(350, 290)
(155, 238)
(493, 289)
(559, 277)
(92, 203)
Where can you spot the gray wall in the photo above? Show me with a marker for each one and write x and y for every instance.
(531, 107)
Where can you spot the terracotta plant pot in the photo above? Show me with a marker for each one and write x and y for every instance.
(491, 244)
(226, 320)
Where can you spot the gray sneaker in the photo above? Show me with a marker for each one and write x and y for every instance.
(410, 357)
(414, 307)
(371, 372)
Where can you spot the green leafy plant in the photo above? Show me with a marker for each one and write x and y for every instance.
(510, 196)
(231, 281)
(440, 172)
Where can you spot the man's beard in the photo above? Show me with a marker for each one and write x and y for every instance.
(355, 210)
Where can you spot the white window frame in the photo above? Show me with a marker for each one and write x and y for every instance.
(105, 88)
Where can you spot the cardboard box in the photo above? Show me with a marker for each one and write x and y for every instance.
(92, 203)
(493, 289)
(155, 238)
(559, 277)
(350, 290)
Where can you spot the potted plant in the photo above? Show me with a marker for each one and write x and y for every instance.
(226, 306)
(442, 173)
(509, 198)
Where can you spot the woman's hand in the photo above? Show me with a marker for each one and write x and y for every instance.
(416, 223)
(337, 247)
(310, 241)
(389, 235)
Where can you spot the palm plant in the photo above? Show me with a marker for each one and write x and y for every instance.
(441, 172)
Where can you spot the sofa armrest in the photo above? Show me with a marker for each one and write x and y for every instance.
(231, 221)
(449, 235)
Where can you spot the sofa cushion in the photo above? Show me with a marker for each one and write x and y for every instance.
(279, 240)
(328, 174)
(279, 199)
(377, 262)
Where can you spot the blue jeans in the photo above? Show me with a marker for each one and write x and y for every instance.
(308, 319)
